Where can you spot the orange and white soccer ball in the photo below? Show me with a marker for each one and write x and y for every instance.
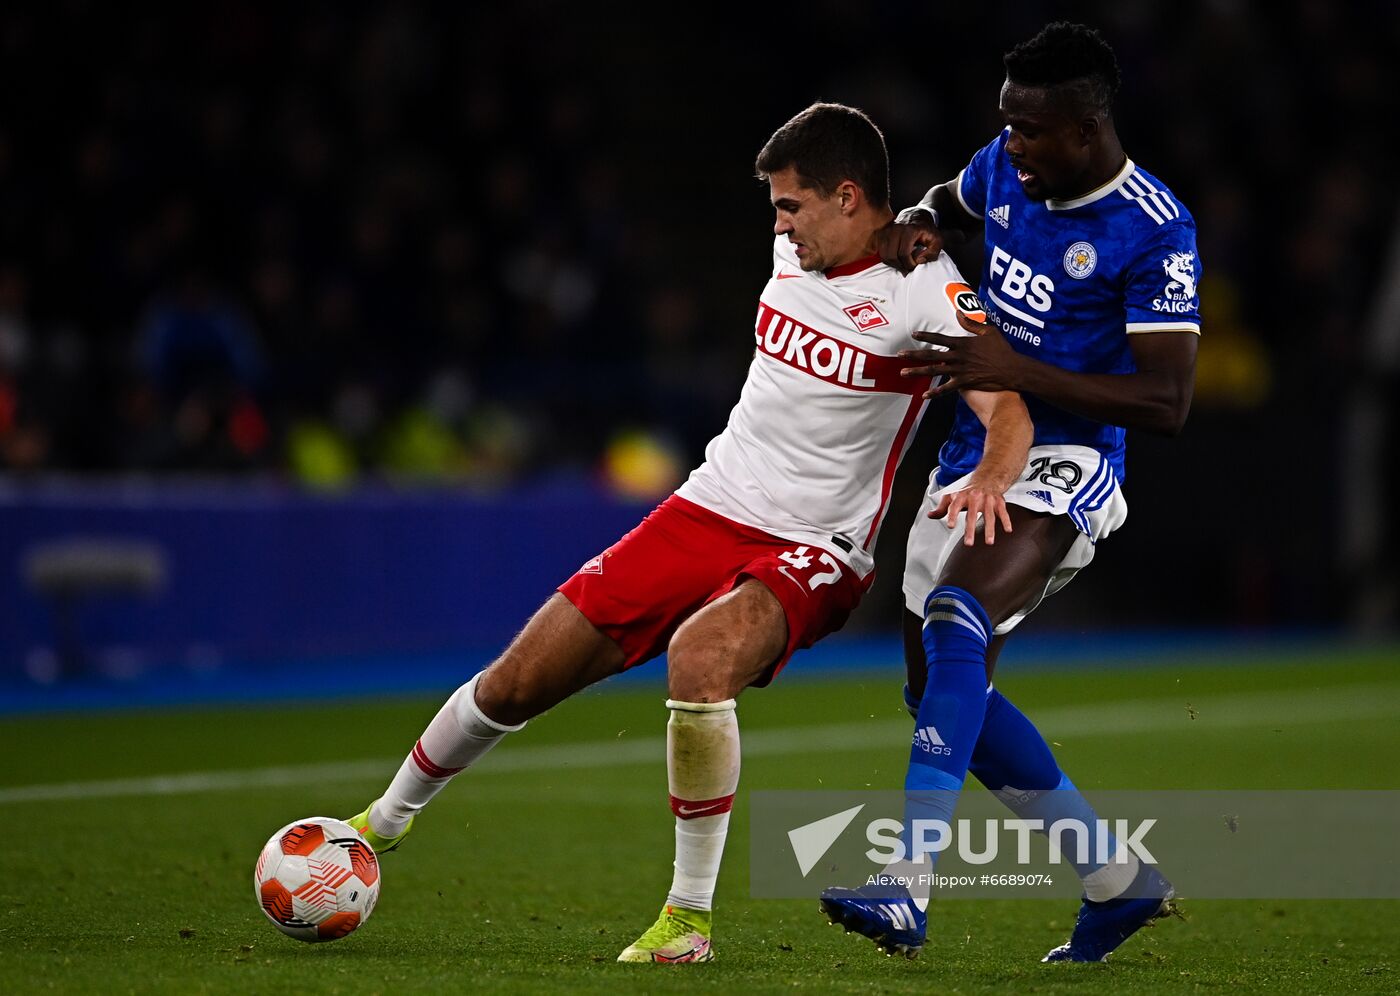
(317, 879)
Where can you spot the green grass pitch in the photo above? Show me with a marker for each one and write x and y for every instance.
(531, 872)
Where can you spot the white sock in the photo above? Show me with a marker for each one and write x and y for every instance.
(456, 738)
(702, 766)
(1101, 882)
(1113, 879)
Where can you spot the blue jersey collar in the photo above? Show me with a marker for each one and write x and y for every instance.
(1097, 193)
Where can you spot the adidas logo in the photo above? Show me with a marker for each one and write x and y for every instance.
(1001, 215)
(928, 740)
(1043, 496)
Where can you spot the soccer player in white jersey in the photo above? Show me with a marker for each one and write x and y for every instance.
(767, 546)
(1089, 280)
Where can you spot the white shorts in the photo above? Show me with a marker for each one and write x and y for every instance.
(1063, 480)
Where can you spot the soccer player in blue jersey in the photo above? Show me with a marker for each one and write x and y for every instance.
(1089, 281)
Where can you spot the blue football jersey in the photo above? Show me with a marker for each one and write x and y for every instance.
(1068, 281)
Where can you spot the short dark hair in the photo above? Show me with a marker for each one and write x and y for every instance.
(1073, 56)
(827, 144)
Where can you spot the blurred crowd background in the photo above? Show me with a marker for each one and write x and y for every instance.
(466, 246)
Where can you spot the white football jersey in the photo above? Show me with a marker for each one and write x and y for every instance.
(824, 418)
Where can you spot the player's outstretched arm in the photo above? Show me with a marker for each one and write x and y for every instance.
(938, 220)
(1155, 398)
(1009, 437)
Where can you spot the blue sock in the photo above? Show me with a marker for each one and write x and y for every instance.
(1014, 761)
(956, 632)
(1011, 751)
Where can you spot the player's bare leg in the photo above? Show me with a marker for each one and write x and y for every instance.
(1004, 576)
(557, 653)
(727, 645)
(1009, 574)
(715, 654)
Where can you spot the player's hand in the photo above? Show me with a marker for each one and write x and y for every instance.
(983, 361)
(906, 246)
(976, 499)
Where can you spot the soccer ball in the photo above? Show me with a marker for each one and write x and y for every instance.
(317, 879)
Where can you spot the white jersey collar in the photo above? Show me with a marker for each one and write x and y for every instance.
(1097, 193)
